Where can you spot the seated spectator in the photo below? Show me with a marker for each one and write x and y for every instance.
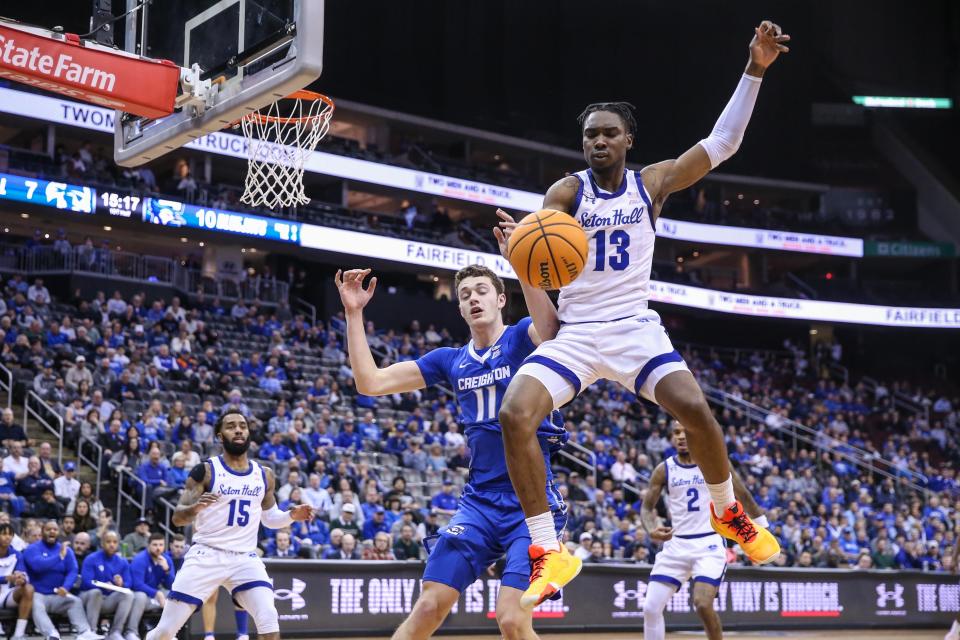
(275, 451)
(10, 502)
(47, 507)
(31, 486)
(152, 573)
(10, 431)
(283, 546)
(15, 462)
(138, 539)
(376, 524)
(380, 549)
(445, 502)
(177, 476)
(280, 422)
(405, 547)
(78, 374)
(178, 549)
(596, 552)
(109, 567)
(52, 570)
(347, 550)
(190, 457)
(47, 464)
(348, 438)
(164, 361)
(270, 383)
(316, 496)
(67, 487)
(346, 521)
(436, 461)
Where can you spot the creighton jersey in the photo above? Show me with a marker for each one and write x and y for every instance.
(480, 379)
(233, 522)
(620, 234)
(688, 499)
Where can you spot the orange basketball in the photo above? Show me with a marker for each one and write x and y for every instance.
(548, 249)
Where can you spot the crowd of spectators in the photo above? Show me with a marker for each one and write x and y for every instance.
(146, 379)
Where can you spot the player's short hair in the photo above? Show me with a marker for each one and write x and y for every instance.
(478, 271)
(157, 536)
(178, 537)
(6, 528)
(219, 424)
(623, 109)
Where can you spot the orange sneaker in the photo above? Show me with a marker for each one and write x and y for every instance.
(758, 543)
(550, 572)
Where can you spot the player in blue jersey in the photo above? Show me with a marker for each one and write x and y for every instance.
(488, 523)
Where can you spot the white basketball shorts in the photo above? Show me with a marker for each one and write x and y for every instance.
(205, 569)
(634, 352)
(702, 558)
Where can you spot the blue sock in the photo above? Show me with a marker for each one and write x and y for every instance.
(241, 617)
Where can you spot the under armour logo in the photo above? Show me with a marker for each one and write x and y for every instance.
(292, 594)
(884, 596)
(624, 594)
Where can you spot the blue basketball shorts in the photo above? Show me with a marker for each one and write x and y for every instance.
(487, 526)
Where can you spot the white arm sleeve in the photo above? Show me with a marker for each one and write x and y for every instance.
(727, 134)
(276, 519)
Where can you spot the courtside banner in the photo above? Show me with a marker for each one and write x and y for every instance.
(74, 114)
(336, 599)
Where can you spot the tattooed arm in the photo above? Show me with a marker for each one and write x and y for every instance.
(195, 497)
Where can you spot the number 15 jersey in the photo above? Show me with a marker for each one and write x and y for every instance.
(233, 521)
(615, 282)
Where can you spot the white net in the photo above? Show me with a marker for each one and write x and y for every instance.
(278, 146)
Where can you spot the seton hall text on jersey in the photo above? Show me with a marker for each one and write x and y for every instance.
(487, 379)
(615, 219)
(245, 490)
(686, 482)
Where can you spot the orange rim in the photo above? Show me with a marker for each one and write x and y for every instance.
(302, 94)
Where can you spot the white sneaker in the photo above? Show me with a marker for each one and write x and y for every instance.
(243, 637)
(131, 635)
(89, 635)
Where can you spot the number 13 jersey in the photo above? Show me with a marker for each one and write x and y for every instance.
(615, 282)
(233, 521)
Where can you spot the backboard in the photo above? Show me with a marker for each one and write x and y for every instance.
(249, 53)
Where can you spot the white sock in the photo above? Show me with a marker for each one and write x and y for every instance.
(543, 532)
(21, 628)
(954, 629)
(722, 494)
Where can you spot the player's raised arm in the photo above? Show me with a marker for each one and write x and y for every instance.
(663, 178)
(370, 379)
(648, 509)
(750, 505)
(195, 497)
(546, 322)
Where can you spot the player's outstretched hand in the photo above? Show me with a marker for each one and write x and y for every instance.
(350, 285)
(502, 233)
(302, 512)
(767, 44)
(661, 534)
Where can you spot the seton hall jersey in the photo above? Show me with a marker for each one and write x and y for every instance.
(615, 282)
(688, 499)
(8, 564)
(480, 379)
(233, 522)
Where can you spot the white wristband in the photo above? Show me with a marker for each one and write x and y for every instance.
(762, 521)
(276, 519)
(728, 132)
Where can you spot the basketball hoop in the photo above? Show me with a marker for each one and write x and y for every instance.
(279, 139)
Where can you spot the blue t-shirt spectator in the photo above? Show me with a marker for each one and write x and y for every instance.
(99, 566)
(47, 570)
(148, 575)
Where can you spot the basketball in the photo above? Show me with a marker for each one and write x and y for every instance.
(548, 249)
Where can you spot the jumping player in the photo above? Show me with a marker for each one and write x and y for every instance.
(16, 592)
(228, 497)
(608, 331)
(488, 523)
(690, 548)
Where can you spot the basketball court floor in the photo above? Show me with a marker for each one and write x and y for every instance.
(919, 634)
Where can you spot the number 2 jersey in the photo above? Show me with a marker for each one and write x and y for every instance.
(688, 499)
(615, 282)
(233, 521)
(480, 379)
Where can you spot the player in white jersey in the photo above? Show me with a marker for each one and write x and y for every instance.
(608, 331)
(227, 498)
(691, 548)
(15, 591)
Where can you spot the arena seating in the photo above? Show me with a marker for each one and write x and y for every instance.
(850, 473)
